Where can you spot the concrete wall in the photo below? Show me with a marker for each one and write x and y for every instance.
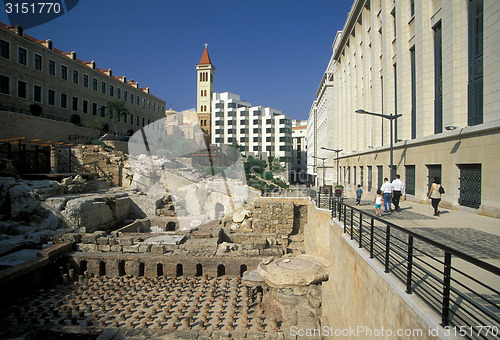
(16, 125)
(133, 264)
(358, 293)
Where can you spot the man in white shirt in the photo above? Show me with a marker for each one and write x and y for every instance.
(397, 191)
(386, 189)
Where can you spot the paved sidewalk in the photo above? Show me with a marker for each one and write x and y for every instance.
(473, 234)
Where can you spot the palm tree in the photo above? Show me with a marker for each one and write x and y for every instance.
(116, 110)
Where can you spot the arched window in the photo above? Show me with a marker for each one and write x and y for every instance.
(205, 93)
(83, 267)
(199, 270)
(121, 268)
(201, 93)
(201, 76)
(178, 270)
(221, 270)
(102, 268)
(243, 269)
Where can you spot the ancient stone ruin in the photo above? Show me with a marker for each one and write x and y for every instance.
(84, 256)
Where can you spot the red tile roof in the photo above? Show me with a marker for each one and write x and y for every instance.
(205, 58)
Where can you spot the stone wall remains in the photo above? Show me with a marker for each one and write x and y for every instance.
(356, 294)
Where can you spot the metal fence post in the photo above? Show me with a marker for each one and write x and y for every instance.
(372, 234)
(410, 264)
(360, 229)
(345, 213)
(446, 290)
(387, 247)
(352, 223)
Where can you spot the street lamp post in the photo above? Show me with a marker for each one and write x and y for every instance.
(323, 159)
(337, 151)
(391, 117)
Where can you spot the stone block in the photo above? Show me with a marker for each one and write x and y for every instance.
(131, 249)
(126, 241)
(72, 237)
(253, 252)
(116, 248)
(102, 241)
(112, 241)
(104, 247)
(157, 249)
(144, 248)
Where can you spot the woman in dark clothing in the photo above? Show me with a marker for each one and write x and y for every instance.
(435, 195)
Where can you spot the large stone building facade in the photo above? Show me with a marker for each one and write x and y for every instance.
(436, 64)
(35, 72)
(259, 130)
(298, 173)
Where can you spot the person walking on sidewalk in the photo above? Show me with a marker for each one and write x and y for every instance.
(435, 194)
(359, 193)
(379, 200)
(397, 191)
(386, 189)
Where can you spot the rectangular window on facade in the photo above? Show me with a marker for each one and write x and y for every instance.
(143, 122)
(412, 8)
(37, 94)
(125, 95)
(85, 106)
(21, 89)
(4, 49)
(348, 175)
(118, 93)
(255, 139)
(410, 179)
(38, 62)
(354, 175)
(361, 175)
(75, 77)
(4, 85)
(51, 97)
(94, 109)
(269, 139)
(255, 121)
(64, 101)
(125, 118)
(64, 72)
(218, 140)
(132, 98)
(131, 119)
(111, 90)
(138, 100)
(380, 176)
(413, 75)
(75, 104)
(370, 174)
(256, 148)
(143, 103)
(256, 130)
(475, 85)
(22, 56)
(438, 80)
(103, 87)
(94, 84)
(52, 67)
(85, 80)
(137, 121)
(102, 110)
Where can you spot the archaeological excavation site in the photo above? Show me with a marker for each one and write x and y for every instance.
(145, 246)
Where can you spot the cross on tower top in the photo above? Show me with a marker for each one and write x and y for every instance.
(206, 45)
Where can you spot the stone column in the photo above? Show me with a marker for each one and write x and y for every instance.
(54, 159)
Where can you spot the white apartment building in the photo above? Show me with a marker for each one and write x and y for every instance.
(436, 64)
(260, 131)
(298, 173)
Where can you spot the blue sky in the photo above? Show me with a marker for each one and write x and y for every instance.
(272, 53)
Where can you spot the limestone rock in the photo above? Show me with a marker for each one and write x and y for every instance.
(240, 215)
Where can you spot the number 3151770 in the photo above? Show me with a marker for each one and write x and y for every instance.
(33, 8)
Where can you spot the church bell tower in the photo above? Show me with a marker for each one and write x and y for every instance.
(205, 89)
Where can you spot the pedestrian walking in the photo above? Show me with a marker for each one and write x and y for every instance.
(359, 193)
(397, 191)
(379, 200)
(435, 194)
(386, 189)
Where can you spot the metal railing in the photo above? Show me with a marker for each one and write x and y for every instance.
(466, 294)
